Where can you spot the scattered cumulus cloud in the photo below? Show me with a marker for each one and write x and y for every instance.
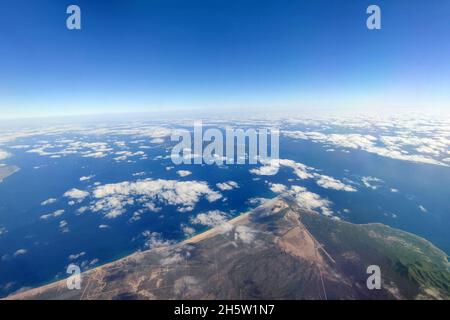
(332, 183)
(86, 178)
(20, 252)
(155, 240)
(77, 256)
(211, 218)
(157, 140)
(184, 173)
(423, 209)
(76, 194)
(229, 185)
(82, 210)
(371, 182)
(112, 199)
(124, 155)
(271, 167)
(256, 201)
(427, 149)
(55, 214)
(48, 201)
(277, 187)
(244, 234)
(302, 172)
(187, 230)
(64, 226)
(4, 155)
(96, 155)
(310, 201)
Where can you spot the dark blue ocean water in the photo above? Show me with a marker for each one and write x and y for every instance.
(48, 249)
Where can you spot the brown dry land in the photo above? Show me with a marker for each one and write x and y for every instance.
(277, 251)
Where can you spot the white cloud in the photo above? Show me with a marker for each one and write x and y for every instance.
(76, 194)
(423, 209)
(310, 201)
(427, 149)
(272, 166)
(4, 155)
(302, 172)
(219, 219)
(184, 173)
(157, 140)
(150, 206)
(124, 155)
(76, 256)
(120, 143)
(98, 154)
(244, 234)
(266, 170)
(70, 147)
(88, 263)
(229, 185)
(155, 240)
(211, 218)
(188, 231)
(277, 187)
(113, 198)
(256, 201)
(64, 226)
(113, 206)
(48, 201)
(55, 214)
(86, 178)
(332, 183)
(371, 182)
(394, 147)
(82, 210)
(20, 252)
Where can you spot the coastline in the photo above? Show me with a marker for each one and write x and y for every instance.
(133, 256)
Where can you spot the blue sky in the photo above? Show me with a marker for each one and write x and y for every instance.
(222, 55)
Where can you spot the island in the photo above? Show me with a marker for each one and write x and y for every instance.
(276, 251)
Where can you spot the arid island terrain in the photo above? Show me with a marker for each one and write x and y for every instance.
(276, 251)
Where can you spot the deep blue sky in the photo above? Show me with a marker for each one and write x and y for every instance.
(219, 54)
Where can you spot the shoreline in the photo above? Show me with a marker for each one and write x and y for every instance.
(194, 239)
(57, 289)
